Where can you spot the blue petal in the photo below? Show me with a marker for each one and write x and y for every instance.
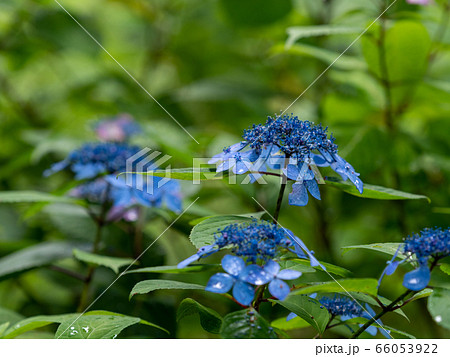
(417, 279)
(313, 295)
(392, 267)
(84, 171)
(288, 274)
(233, 265)
(272, 267)
(202, 252)
(56, 168)
(255, 275)
(299, 195)
(371, 330)
(312, 259)
(385, 332)
(313, 188)
(240, 168)
(243, 293)
(291, 316)
(319, 160)
(292, 172)
(188, 261)
(220, 283)
(279, 289)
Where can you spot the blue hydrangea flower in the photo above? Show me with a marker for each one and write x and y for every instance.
(257, 241)
(429, 243)
(94, 159)
(117, 129)
(221, 283)
(347, 309)
(287, 143)
(270, 273)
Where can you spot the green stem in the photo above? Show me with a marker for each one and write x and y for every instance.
(259, 297)
(387, 309)
(280, 193)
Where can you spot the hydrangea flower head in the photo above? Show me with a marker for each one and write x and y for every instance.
(117, 129)
(94, 159)
(285, 142)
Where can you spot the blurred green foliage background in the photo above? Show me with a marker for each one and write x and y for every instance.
(218, 66)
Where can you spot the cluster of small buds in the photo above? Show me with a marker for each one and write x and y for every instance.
(294, 137)
(93, 191)
(430, 242)
(256, 241)
(341, 306)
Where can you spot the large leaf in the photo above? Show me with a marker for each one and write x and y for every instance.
(110, 262)
(366, 286)
(372, 191)
(304, 265)
(195, 268)
(33, 257)
(34, 196)
(146, 286)
(203, 233)
(439, 306)
(246, 324)
(210, 320)
(308, 309)
(388, 248)
(298, 32)
(292, 324)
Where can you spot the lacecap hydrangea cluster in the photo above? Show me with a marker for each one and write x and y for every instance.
(289, 144)
(255, 244)
(423, 248)
(99, 163)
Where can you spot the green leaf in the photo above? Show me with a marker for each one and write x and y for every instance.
(110, 262)
(372, 191)
(398, 333)
(445, 268)
(304, 265)
(422, 294)
(190, 174)
(439, 306)
(344, 62)
(256, 215)
(210, 320)
(406, 49)
(308, 309)
(34, 257)
(95, 327)
(195, 268)
(10, 316)
(146, 286)
(203, 233)
(298, 32)
(366, 286)
(293, 324)
(34, 196)
(255, 12)
(388, 248)
(246, 324)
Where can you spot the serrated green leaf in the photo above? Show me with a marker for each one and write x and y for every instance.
(34, 196)
(110, 262)
(146, 286)
(298, 32)
(195, 268)
(366, 286)
(439, 306)
(445, 268)
(246, 324)
(373, 191)
(36, 256)
(293, 324)
(203, 233)
(388, 248)
(308, 309)
(210, 320)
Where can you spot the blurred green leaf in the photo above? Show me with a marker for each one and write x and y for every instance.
(195, 268)
(110, 262)
(34, 196)
(298, 32)
(36, 256)
(372, 191)
(190, 174)
(366, 286)
(246, 323)
(146, 286)
(210, 320)
(304, 265)
(439, 306)
(308, 309)
(388, 248)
